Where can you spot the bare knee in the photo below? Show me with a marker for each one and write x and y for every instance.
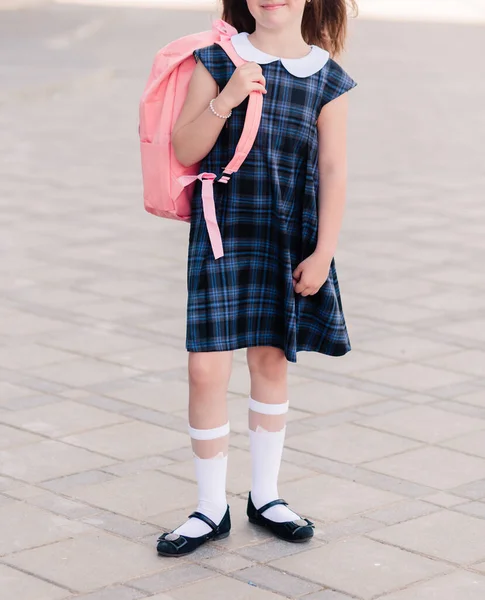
(209, 369)
(267, 362)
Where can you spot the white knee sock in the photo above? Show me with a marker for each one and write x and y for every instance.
(211, 480)
(266, 452)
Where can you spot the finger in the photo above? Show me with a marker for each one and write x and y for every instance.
(308, 292)
(257, 87)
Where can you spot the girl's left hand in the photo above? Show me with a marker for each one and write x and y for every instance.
(311, 274)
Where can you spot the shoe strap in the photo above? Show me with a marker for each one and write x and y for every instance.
(202, 517)
(261, 510)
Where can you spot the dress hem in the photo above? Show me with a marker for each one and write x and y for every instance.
(338, 351)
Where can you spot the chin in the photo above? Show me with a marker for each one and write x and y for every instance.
(274, 21)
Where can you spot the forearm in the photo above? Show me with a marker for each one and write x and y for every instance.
(331, 210)
(195, 140)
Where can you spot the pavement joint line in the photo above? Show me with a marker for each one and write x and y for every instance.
(282, 571)
(306, 579)
(439, 560)
(35, 575)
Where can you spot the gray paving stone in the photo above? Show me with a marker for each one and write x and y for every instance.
(444, 500)
(93, 342)
(31, 401)
(468, 361)
(327, 595)
(474, 490)
(129, 440)
(62, 506)
(29, 526)
(331, 499)
(226, 562)
(114, 593)
(107, 559)
(123, 526)
(106, 403)
(83, 372)
(133, 467)
(475, 509)
(62, 484)
(407, 347)
(62, 418)
(47, 460)
(391, 484)
(472, 443)
(276, 581)
(425, 423)
(321, 397)
(9, 391)
(402, 511)
(10, 437)
(460, 584)
(361, 567)
(22, 585)
(330, 532)
(462, 409)
(477, 398)
(220, 588)
(382, 408)
(414, 377)
(272, 549)
(167, 420)
(173, 397)
(154, 358)
(137, 496)
(350, 443)
(436, 467)
(431, 535)
(172, 578)
(5, 500)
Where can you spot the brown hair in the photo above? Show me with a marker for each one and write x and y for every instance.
(324, 22)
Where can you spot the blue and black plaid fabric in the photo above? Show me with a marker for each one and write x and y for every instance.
(268, 217)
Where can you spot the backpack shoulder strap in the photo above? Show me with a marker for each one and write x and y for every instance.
(251, 124)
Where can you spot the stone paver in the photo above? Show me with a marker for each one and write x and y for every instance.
(361, 567)
(385, 446)
(437, 467)
(350, 444)
(426, 424)
(432, 534)
(106, 559)
(22, 585)
(460, 584)
(29, 527)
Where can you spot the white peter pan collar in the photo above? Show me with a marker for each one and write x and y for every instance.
(299, 67)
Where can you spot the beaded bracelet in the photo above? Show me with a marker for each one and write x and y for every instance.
(216, 113)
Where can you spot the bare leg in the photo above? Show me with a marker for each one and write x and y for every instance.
(268, 406)
(209, 374)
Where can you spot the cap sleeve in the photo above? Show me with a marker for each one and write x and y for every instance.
(214, 60)
(337, 82)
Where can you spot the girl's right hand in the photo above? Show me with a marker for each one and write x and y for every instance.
(246, 79)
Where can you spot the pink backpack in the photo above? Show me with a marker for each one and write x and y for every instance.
(168, 185)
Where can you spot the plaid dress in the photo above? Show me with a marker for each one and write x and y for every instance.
(268, 218)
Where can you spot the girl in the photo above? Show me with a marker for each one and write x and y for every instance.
(275, 290)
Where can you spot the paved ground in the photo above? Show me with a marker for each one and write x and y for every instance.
(386, 446)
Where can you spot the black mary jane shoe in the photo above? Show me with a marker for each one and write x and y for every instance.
(300, 530)
(173, 544)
